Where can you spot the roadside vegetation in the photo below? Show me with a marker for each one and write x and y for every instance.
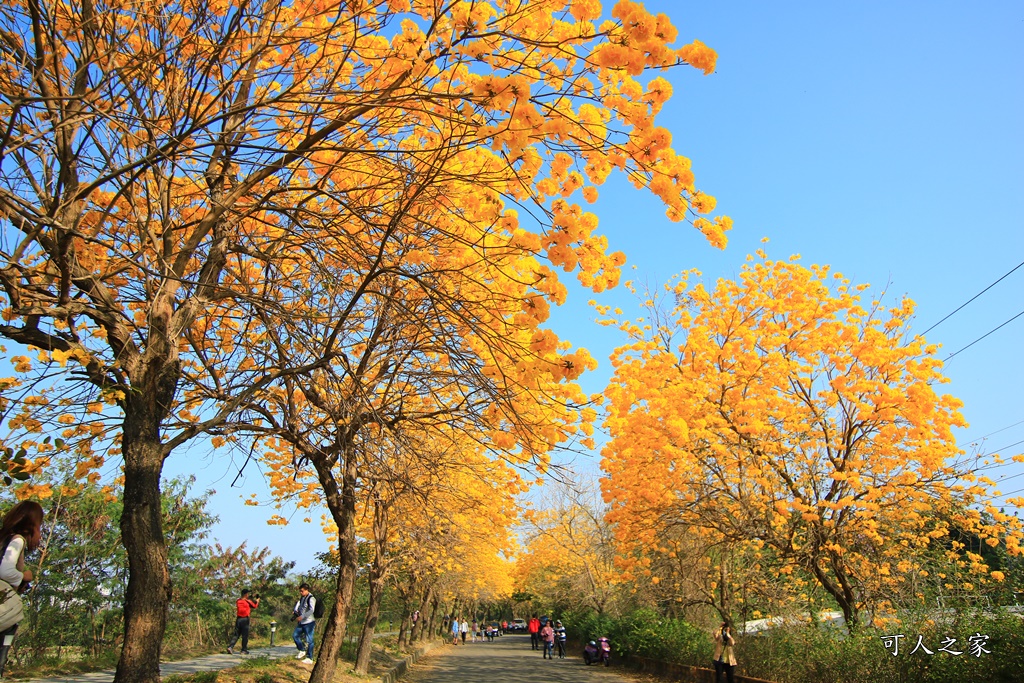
(824, 653)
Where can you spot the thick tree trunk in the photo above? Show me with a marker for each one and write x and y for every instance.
(342, 505)
(149, 582)
(403, 629)
(843, 595)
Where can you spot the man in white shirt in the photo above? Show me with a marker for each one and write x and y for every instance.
(305, 624)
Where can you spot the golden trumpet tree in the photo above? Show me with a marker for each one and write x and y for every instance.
(170, 170)
(425, 503)
(782, 410)
(568, 556)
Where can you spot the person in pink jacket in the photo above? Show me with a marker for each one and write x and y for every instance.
(547, 636)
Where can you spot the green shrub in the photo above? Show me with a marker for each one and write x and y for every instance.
(824, 653)
(643, 633)
(827, 654)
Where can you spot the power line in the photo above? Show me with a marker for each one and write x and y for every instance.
(1000, 450)
(995, 452)
(1012, 476)
(972, 299)
(1003, 496)
(983, 336)
(980, 439)
(999, 430)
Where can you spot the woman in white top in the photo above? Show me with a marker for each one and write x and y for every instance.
(21, 530)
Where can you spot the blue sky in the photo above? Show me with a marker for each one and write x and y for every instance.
(884, 139)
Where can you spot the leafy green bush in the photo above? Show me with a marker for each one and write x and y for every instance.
(801, 654)
(643, 633)
(823, 653)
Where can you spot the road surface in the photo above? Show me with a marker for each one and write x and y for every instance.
(506, 660)
(191, 666)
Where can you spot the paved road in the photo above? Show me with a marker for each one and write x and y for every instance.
(191, 666)
(216, 662)
(506, 660)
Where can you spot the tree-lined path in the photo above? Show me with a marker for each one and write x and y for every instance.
(506, 658)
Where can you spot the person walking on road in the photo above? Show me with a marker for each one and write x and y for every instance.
(243, 608)
(547, 636)
(725, 659)
(534, 628)
(464, 629)
(455, 631)
(560, 637)
(305, 624)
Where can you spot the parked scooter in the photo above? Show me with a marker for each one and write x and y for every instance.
(598, 651)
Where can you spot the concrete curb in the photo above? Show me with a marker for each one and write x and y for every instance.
(402, 666)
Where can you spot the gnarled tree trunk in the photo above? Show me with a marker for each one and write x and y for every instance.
(342, 504)
(149, 581)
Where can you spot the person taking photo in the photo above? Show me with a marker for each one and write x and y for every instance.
(725, 659)
(243, 608)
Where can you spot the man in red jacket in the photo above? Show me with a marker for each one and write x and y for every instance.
(534, 628)
(244, 606)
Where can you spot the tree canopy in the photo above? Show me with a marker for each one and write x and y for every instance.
(785, 417)
(203, 202)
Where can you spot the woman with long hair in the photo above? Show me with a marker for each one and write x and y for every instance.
(21, 531)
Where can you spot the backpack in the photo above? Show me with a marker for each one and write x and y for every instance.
(318, 609)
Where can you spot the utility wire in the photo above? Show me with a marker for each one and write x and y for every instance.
(1003, 496)
(994, 452)
(980, 439)
(983, 336)
(972, 299)
(1012, 476)
(999, 430)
